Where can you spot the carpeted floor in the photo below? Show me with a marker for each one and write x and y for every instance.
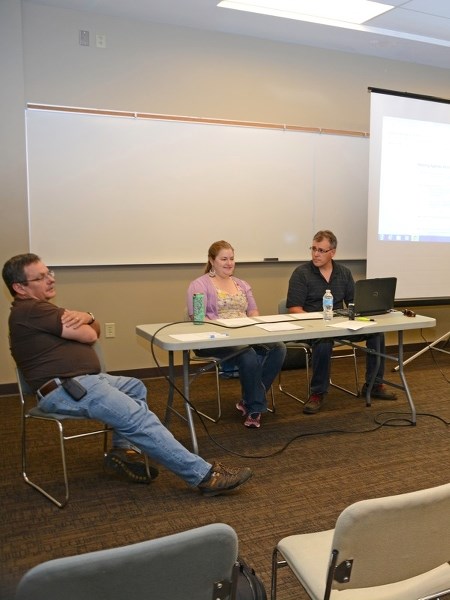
(335, 458)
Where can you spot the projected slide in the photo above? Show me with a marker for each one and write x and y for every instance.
(414, 181)
(408, 212)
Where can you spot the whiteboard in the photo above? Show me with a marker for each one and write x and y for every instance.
(113, 190)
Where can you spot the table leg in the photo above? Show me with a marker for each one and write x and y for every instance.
(403, 378)
(170, 396)
(189, 417)
(370, 383)
(400, 364)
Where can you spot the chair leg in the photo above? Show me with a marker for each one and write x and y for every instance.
(273, 584)
(355, 370)
(59, 504)
(106, 430)
(272, 401)
(62, 439)
(308, 391)
(218, 392)
(215, 419)
(354, 392)
(276, 564)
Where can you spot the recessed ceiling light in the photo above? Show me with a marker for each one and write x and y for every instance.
(317, 11)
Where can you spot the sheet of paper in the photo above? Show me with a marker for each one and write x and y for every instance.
(238, 322)
(274, 318)
(279, 326)
(306, 315)
(196, 337)
(352, 325)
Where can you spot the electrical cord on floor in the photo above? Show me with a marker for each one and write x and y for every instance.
(387, 423)
(433, 353)
(393, 421)
(390, 422)
(396, 420)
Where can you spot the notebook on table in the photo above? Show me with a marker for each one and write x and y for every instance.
(372, 297)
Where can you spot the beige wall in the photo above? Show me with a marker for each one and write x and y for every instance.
(160, 69)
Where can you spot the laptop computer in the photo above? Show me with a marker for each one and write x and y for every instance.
(372, 296)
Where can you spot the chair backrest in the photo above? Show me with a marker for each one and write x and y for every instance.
(282, 309)
(175, 567)
(24, 388)
(99, 350)
(394, 538)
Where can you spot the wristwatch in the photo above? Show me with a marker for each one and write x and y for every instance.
(92, 318)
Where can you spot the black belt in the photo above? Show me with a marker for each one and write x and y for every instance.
(48, 387)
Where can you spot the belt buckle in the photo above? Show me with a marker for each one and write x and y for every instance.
(39, 395)
(56, 381)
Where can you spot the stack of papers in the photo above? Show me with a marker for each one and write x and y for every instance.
(352, 325)
(306, 315)
(274, 318)
(242, 321)
(238, 322)
(279, 326)
(196, 337)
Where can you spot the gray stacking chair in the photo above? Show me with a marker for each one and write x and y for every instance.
(215, 365)
(62, 424)
(192, 565)
(391, 548)
(305, 348)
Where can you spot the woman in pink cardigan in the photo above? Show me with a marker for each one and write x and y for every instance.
(228, 297)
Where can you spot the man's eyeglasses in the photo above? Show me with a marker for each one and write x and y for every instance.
(41, 277)
(319, 250)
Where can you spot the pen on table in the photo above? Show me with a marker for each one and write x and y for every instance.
(214, 336)
(364, 319)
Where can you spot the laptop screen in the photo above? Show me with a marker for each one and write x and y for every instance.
(374, 296)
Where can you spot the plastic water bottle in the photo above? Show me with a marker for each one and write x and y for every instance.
(199, 308)
(327, 305)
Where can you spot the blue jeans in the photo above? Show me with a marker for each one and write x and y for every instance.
(321, 361)
(258, 366)
(121, 403)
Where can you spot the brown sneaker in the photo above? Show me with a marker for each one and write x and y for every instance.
(131, 463)
(223, 479)
(379, 391)
(314, 404)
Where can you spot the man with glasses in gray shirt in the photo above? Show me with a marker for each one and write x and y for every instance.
(307, 286)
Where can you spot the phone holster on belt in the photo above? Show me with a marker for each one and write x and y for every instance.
(74, 389)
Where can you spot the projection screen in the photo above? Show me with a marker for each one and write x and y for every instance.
(408, 233)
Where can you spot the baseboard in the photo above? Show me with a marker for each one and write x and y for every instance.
(10, 389)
